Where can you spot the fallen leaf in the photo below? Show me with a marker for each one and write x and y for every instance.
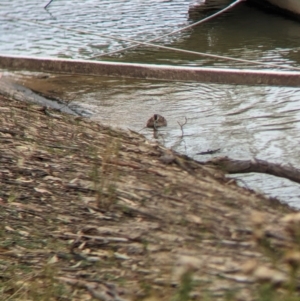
(194, 219)
(53, 259)
(23, 233)
(10, 229)
(41, 190)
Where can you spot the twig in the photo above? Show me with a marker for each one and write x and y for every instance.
(209, 152)
(106, 239)
(45, 7)
(241, 181)
(182, 125)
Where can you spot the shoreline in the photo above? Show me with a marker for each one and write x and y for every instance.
(92, 211)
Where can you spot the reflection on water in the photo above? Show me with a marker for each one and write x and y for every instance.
(243, 121)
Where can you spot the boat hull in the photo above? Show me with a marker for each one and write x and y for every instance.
(287, 7)
(291, 7)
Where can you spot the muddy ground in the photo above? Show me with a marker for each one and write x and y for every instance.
(93, 213)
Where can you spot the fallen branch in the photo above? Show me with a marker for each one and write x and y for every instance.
(255, 165)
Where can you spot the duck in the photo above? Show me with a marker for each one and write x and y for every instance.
(156, 121)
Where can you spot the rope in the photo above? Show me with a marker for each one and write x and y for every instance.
(175, 31)
(45, 7)
(153, 45)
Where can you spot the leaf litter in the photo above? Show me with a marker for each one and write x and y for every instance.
(94, 213)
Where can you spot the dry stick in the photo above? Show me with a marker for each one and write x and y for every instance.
(182, 125)
(209, 152)
(48, 4)
(107, 239)
(175, 31)
(256, 165)
(240, 181)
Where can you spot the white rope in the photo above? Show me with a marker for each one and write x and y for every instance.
(153, 45)
(175, 31)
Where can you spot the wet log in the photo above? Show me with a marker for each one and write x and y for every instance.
(255, 165)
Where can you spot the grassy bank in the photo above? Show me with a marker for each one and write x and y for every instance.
(92, 213)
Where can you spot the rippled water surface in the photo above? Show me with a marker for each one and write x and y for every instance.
(243, 121)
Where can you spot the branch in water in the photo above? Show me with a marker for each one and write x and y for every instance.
(256, 165)
(182, 125)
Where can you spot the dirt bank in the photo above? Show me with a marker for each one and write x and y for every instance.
(92, 213)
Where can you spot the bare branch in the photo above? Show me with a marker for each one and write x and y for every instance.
(182, 125)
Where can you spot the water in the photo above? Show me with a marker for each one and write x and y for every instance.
(243, 121)
(132, 19)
